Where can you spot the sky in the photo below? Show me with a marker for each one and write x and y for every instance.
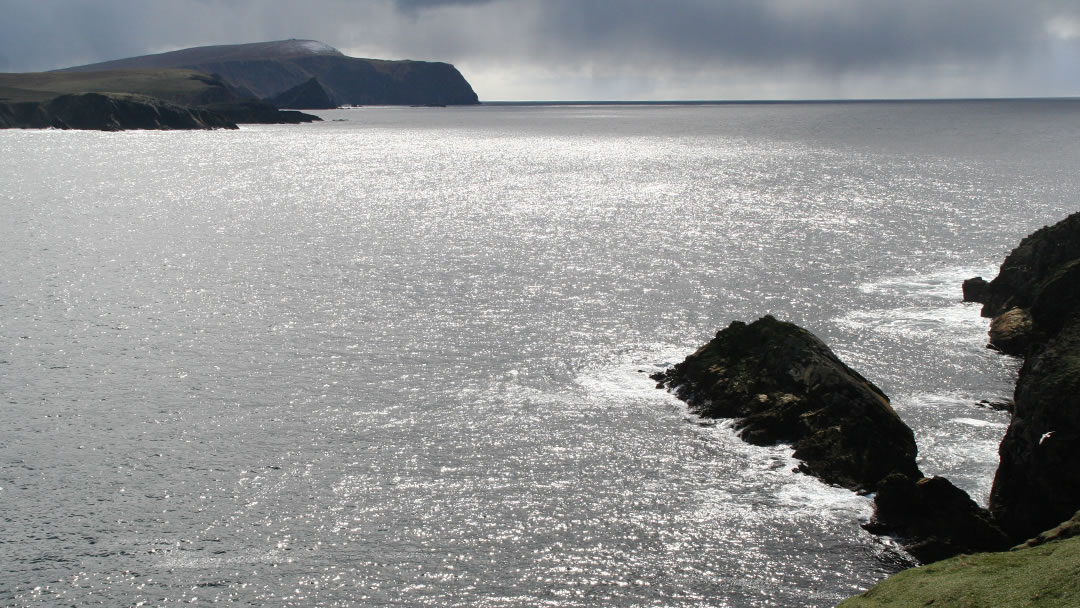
(609, 49)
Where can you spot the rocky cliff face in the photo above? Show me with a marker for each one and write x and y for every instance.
(1035, 305)
(268, 69)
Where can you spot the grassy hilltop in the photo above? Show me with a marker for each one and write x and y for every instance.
(179, 86)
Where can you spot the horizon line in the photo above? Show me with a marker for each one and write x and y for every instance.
(568, 102)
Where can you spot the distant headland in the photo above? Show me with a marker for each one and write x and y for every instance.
(220, 86)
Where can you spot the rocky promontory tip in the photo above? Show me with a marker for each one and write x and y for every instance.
(783, 384)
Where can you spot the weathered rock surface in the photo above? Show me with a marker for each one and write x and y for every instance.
(933, 518)
(1037, 485)
(1035, 260)
(1035, 302)
(783, 384)
(1010, 332)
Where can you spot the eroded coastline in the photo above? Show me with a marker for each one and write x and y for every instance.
(781, 383)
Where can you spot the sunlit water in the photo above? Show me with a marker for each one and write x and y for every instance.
(401, 358)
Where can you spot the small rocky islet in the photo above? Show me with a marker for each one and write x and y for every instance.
(780, 383)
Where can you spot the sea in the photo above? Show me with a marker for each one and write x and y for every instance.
(401, 357)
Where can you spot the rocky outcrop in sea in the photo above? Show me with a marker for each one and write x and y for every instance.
(783, 384)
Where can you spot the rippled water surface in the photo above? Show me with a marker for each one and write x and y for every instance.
(400, 357)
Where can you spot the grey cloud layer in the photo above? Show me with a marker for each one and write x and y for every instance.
(821, 36)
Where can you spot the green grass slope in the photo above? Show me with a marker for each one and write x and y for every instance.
(1045, 576)
(179, 86)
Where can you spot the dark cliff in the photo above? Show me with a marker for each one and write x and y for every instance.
(269, 69)
(1035, 305)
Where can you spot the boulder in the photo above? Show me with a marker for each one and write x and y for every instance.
(976, 290)
(783, 384)
(1010, 332)
(933, 518)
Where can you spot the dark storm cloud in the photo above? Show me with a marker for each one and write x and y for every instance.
(835, 38)
(830, 34)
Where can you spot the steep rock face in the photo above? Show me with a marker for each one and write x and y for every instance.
(783, 384)
(268, 69)
(1037, 484)
(1035, 302)
(1033, 261)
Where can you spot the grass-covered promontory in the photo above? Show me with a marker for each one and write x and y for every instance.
(130, 99)
(1044, 576)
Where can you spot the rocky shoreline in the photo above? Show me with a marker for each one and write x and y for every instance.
(132, 99)
(782, 384)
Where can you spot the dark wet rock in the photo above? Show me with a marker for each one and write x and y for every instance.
(783, 384)
(1035, 300)
(933, 519)
(1036, 259)
(1001, 406)
(1037, 484)
(976, 290)
(1010, 332)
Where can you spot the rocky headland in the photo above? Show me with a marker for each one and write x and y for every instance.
(1034, 304)
(310, 75)
(221, 86)
(782, 384)
(131, 99)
